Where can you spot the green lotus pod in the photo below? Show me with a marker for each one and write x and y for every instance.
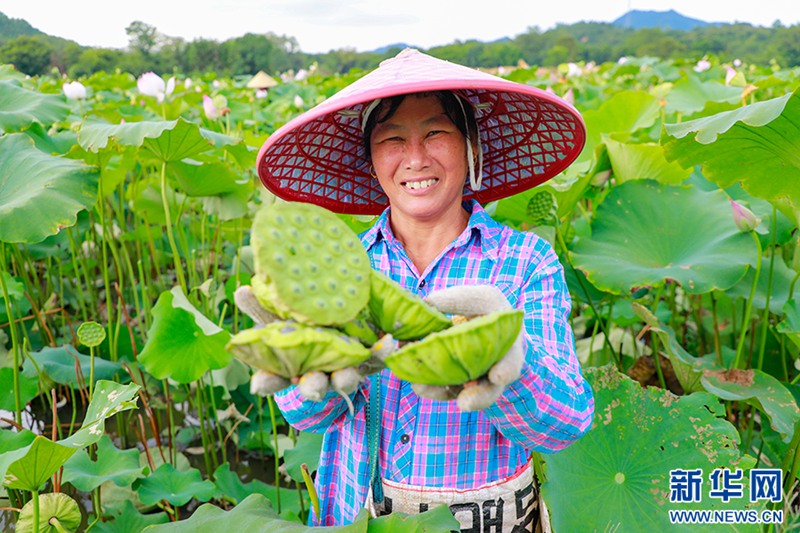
(460, 353)
(54, 508)
(291, 349)
(541, 208)
(310, 266)
(361, 329)
(406, 316)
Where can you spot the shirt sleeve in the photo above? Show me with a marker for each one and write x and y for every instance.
(317, 417)
(551, 405)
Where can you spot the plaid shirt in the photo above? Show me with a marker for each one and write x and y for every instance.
(432, 443)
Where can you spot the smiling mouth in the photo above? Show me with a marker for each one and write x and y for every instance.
(423, 184)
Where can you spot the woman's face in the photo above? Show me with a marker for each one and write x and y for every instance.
(420, 158)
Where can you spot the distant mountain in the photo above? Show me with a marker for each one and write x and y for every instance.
(665, 20)
(11, 28)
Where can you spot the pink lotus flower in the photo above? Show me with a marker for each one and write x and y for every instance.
(745, 219)
(702, 66)
(211, 111)
(573, 70)
(569, 97)
(261, 93)
(74, 90)
(729, 75)
(151, 84)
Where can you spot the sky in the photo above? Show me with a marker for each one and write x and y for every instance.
(322, 25)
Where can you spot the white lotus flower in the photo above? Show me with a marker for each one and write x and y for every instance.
(151, 84)
(298, 101)
(74, 90)
(187, 83)
(301, 75)
(573, 70)
(261, 93)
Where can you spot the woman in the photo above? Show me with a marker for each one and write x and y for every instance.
(432, 140)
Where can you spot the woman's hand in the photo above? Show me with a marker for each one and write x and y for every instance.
(472, 301)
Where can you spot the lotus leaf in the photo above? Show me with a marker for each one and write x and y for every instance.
(291, 349)
(406, 316)
(54, 505)
(459, 354)
(174, 486)
(309, 266)
(617, 477)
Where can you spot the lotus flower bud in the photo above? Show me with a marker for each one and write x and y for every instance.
(298, 101)
(729, 75)
(151, 84)
(744, 218)
(702, 66)
(74, 90)
(170, 86)
(187, 83)
(211, 111)
(569, 97)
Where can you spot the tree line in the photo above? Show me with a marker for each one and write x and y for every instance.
(150, 50)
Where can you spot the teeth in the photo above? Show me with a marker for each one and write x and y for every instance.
(424, 184)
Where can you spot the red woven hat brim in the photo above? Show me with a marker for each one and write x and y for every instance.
(527, 136)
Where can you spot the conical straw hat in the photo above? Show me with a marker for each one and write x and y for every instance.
(527, 136)
(261, 81)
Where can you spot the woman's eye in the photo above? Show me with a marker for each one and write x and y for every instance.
(434, 132)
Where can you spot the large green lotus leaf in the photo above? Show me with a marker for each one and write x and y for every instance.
(14, 440)
(182, 344)
(126, 519)
(109, 399)
(643, 161)
(206, 179)
(229, 205)
(120, 466)
(40, 193)
(782, 277)
(254, 515)
(20, 107)
(617, 476)
(52, 506)
(60, 364)
(438, 518)
(28, 388)
(644, 233)
(168, 141)
(760, 389)
(174, 486)
(231, 486)
(306, 451)
(790, 325)
(755, 144)
(625, 112)
(692, 95)
(29, 467)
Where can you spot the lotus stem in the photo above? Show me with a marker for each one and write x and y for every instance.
(12, 326)
(763, 344)
(56, 524)
(35, 499)
(170, 236)
(749, 308)
(274, 422)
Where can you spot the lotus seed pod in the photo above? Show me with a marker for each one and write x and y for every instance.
(395, 310)
(289, 349)
(265, 383)
(91, 334)
(313, 386)
(311, 264)
(360, 328)
(541, 208)
(459, 354)
(346, 380)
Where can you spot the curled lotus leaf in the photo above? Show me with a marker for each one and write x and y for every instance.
(406, 316)
(459, 354)
(310, 266)
(291, 349)
(52, 506)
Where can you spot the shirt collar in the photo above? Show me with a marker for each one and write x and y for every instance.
(480, 224)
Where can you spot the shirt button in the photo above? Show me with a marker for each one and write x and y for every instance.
(405, 438)
(421, 283)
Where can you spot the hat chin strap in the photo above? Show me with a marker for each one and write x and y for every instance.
(474, 181)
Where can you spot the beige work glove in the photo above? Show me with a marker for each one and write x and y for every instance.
(471, 301)
(312, 385)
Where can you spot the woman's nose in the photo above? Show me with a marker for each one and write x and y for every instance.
(417, 157)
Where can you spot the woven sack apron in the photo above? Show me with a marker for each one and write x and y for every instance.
(509, 505)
